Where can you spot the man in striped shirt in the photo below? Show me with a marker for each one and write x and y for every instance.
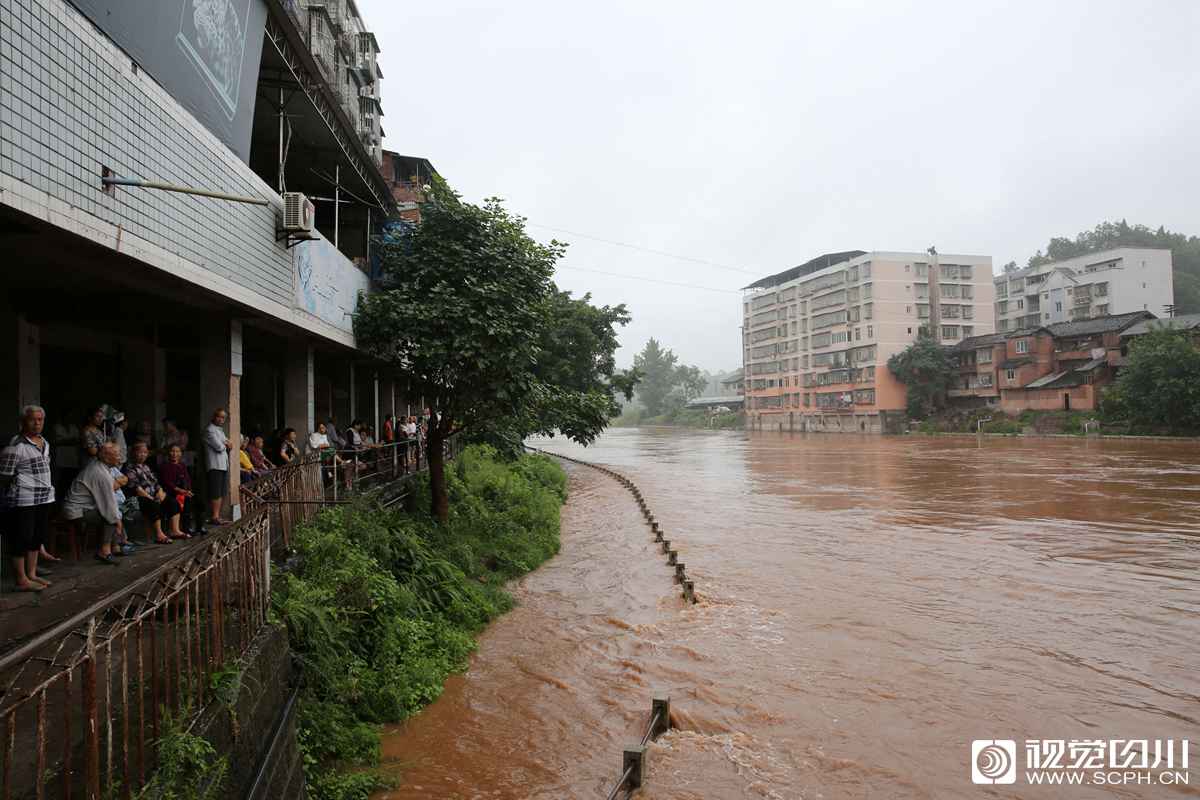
(26, 494)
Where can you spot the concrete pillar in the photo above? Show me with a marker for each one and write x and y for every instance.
(375, 405)
(21, 358)
(220, 387)
(299, 390)
(353, 402)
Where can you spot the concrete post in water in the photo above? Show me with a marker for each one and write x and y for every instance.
(658, 535)
(672, 557)
(680, 575)
(689, 591)
(666, 545)
(634, 757)
(660, 705)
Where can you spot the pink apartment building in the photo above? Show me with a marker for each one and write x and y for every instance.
(816, 338)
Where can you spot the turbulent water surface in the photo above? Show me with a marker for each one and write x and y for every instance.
(868, 607)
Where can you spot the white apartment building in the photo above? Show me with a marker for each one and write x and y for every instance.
(816, 338)
(1116, 281)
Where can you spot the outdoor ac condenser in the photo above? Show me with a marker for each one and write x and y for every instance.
(298, 213)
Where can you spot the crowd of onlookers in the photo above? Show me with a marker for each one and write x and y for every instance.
(110, 480)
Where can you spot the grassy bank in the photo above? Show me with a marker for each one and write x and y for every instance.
(384, 605)
(995, 421)
(681, 418)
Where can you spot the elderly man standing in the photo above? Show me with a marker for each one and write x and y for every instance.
(216, 452)
(91, 499)
(26, 494)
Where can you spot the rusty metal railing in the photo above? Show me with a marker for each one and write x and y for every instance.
(82, 704)
(289, 492)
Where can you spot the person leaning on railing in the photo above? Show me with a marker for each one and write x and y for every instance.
(26, 495)
(289, 451)
(318, 442)
(90, 499)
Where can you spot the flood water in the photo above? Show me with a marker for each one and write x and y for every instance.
(868, 607)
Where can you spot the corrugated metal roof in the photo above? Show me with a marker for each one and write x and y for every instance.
(1093, 364)
(1044, 380)
(1184, 322)
(1089, 327)
(1016, 362)
(820, 262)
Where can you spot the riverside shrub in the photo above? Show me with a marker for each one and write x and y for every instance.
(384, 605)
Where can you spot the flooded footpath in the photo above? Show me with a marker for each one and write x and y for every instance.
(868, 606)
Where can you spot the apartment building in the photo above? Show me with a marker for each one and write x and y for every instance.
(1117, 281)
(816, 338)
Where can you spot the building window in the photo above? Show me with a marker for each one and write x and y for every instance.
(1002, 306)
(1020, 304)
(1010, 375)
(983, 356)
(949, 331)
(1022, 345)
(870, 331)
(868, 309)
(1102, 310)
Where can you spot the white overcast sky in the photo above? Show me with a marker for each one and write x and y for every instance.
(758, 135)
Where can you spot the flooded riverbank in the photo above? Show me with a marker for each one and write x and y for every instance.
(868, 607)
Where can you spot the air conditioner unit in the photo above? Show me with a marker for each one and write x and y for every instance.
(298, 213)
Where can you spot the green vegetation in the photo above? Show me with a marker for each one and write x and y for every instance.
(926, 370)
(1158, 390)
(680, 417)
(384, 605)
(188, 765)
(467, 309)
(666, 385)
(1185, 254)
(972, 421)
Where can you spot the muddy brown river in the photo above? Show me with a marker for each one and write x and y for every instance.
(868, 606)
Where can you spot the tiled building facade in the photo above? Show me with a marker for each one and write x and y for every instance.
(816, 338)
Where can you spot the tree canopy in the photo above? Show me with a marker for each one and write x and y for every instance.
(926, 370)
(665, 382)
(1159, 386)
(1185, 251)
(467, 308)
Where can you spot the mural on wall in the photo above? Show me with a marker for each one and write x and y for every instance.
(327, 284)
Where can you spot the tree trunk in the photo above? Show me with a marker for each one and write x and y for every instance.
(436, 456)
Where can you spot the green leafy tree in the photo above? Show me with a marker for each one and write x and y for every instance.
(657, 365)
(1159, 387)
(1010, 267)
(466, 307)
(926, 370)
(666, 385)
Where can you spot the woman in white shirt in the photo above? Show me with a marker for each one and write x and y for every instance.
(318, 440)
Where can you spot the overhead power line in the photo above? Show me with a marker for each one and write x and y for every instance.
(649, 280)
(629, 246)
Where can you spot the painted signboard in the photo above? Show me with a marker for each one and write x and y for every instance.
(327, 283)
(204, 52)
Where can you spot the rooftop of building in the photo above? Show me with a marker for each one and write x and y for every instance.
(1077, 262)
(1090, 327)
(1184, 322)
(807, 268)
